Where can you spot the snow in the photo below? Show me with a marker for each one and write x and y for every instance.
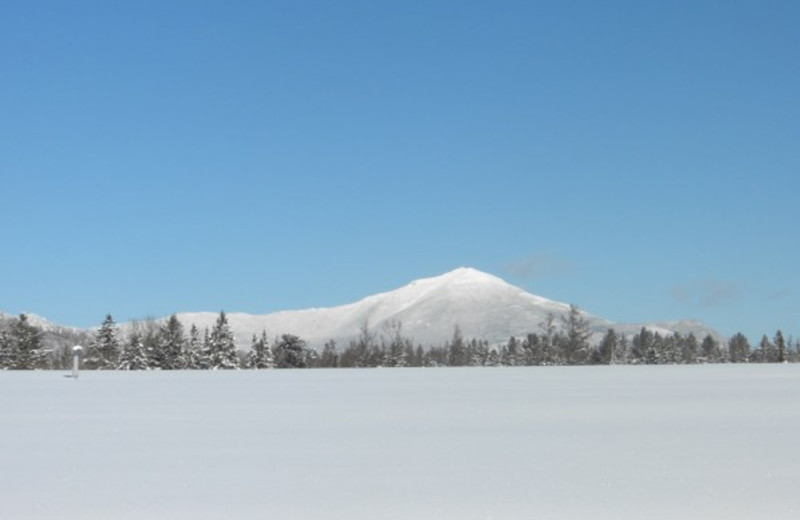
(692, 442)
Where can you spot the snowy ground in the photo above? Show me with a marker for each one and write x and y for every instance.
(699, 442)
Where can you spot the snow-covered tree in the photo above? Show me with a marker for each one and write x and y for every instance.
(738, 348)
(710, 349)
(5, 349)
(766, 352)
(511, 353)
(134, 354)
(478, 352)
(222, 346)
(607, 350)
(260, 355)
(204, 359)
(193, 353)
(103, 353)
(292, 352)
(21, 346)
(689, 349)
(172, 344)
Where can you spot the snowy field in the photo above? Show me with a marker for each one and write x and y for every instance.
(696, 442)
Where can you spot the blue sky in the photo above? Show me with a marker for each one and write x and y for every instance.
(639, 159)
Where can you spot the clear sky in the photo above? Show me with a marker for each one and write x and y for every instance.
(638, 159)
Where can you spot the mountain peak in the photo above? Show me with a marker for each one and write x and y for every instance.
(467, 275)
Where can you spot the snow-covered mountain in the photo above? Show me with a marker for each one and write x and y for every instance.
(428, 310)
(481, 305)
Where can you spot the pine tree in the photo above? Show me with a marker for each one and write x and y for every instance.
(478, 352)
(608, 348)
(511, 353)
(710, 349)
(204, 359)
(134, 355)
(103, 354)
(549, 341)
(172, 344)
(292, 352)
(642, 345)
(767, 353)
(193, 352)
(260, 355)
(780, 347)
(739, 348)
(457, 349)
(396, 352)
(689, 348)
(23, 345)
(6, 356)
(672, 350)
(576, 340)
(222, 346)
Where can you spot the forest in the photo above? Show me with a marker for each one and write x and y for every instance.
(167, 345)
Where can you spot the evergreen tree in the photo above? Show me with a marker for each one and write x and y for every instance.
(358, 353)
(292, 352)
(6, 354)
(419, 356)
(151, 336)
(103, 353)
(396, 351)
(478, 353)
(193, 352)
(172, 345)
(576, 337)
(457, 349)
(222, 347)
(511, 353)
(204, 359)
(134, 355)
(738, 348)
(621, 354)
(260, 355)
(494, 358)
(642, 346)
(710, 349)
(767, 353)
(673, 349)
(549, 341)
(780, 347)
(608, 348)
(23, 345)
(689, 349)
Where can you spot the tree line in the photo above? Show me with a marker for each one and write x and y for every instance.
(151, 345)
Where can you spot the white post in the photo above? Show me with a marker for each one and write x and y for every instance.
(77, 350)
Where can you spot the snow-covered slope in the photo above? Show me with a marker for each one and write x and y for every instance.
(712, 442)
(481, 305)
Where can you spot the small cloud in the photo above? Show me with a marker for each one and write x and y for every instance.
(707, 293)
(539, 265)
(783, 294)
